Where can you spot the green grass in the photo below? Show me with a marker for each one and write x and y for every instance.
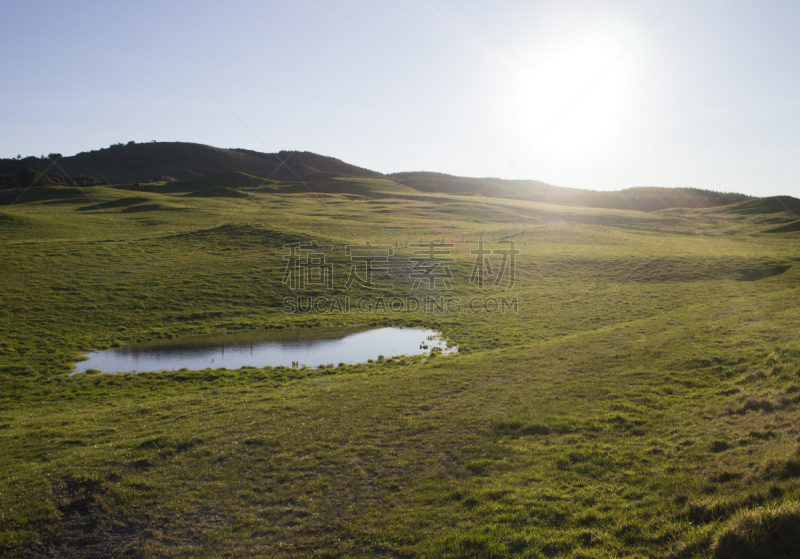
(762, 532)
(643, 403)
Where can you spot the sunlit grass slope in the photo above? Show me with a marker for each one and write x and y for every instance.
(641, 403)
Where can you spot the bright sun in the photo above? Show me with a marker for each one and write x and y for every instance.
(578, 94)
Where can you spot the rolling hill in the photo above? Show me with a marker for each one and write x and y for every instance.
(230, 180)
(199, 167)
(134, 162)
(637, 198)
(639, 397)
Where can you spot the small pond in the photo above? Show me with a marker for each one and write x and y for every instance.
(261, 348)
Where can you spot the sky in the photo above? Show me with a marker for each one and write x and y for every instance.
(581, 93)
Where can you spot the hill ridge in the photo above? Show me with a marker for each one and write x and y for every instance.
(183, 161)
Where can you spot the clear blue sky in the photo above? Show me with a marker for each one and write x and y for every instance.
(590, 94)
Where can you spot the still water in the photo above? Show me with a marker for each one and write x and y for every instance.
(261, 348)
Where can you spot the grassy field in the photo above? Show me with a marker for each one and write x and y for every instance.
(641, 403)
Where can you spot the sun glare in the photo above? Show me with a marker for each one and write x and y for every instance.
(576, 96)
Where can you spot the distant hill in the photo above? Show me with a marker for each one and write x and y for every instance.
(643, 198)
(134, 162)
(198, 167)
(770, 205)
(773, 214)
(221, 184)
(494, 188)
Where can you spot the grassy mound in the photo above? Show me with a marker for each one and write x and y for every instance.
(765, 532)
(788, 228)
(21, 195)
(220, 192)
(231, 180)
(370, 188)
(770, 205)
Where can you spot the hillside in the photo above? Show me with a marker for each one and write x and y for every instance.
(639, 399)
(230, 179)
(181, 160)
(771, 205)
(369, 188)
(236, 184)
(168, 161)
(637, 198)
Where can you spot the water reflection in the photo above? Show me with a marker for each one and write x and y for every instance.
(260, 348)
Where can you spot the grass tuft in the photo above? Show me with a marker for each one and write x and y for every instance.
(771, 532)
